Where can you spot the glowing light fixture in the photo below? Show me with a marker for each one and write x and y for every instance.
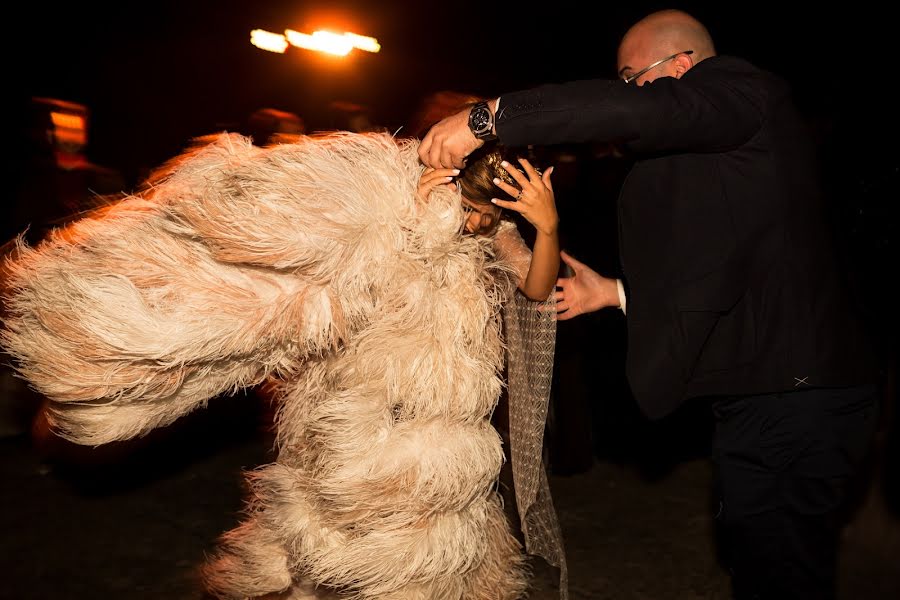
(364, 42)
(337, 44)
(69, 129)
(266, 40)
(321, 41)
(67, 120)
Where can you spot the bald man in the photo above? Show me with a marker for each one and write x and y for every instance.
(730, 284)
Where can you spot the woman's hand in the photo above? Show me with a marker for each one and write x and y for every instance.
(535, 201)
(431, 178)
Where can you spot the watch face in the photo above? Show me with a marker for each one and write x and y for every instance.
(480, 120)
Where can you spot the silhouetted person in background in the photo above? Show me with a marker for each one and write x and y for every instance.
(272, 126)
(53, 182)
(350, 116)
(57, 181)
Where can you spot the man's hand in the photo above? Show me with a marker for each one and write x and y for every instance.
(585, 291)
(449, 142)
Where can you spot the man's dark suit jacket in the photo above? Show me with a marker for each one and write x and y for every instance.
(734, 287)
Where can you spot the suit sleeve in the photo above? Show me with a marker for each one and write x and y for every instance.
(710, 109)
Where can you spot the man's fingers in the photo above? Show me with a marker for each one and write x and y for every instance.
(425, 150)
(436, 156)
(448, 162)
(566, 258)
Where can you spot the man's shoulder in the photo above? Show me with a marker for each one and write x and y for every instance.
(728, 63)
(725, 67)
(738, 67)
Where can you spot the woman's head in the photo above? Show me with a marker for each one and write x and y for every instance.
(476, 183)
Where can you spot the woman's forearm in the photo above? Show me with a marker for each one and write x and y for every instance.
(544, 267)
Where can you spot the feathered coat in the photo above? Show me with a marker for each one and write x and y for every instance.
(314, 263)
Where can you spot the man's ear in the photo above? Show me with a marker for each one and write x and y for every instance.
(683, 64)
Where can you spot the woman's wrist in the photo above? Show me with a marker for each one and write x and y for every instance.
(548, 230)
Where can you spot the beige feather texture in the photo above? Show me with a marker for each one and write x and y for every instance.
(313, 263)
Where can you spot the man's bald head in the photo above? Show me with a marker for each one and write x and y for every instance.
(663, 34)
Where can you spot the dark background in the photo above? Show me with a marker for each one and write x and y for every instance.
(135, 519)
(155, 74)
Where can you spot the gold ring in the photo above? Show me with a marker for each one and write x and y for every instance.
(519, 195)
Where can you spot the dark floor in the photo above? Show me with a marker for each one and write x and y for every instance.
(134, 521)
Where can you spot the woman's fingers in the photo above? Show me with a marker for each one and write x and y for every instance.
(431, 178)
(530, 179)
(533, 175)
(516, 174)
(545, 178)
(429, 175)
(509, 205)
(509, 189)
